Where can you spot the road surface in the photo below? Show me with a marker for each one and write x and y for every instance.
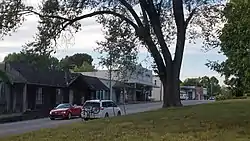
(14, 128)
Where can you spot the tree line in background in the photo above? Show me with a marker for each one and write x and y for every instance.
(212, 84)
(80, 62)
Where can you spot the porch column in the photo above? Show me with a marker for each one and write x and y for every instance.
(96, 94)
(7, 93)
(14, 102)
(25, 97)
(65, 94)
(125, 94)
(71, 96)
(103, 95)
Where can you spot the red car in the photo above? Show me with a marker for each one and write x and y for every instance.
(65, 111)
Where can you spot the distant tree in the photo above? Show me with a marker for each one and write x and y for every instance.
(214, 87)
(226, 91)
(212, 84)
(40, 61)
(118, 50)
(15, 57)
(78, 62)
(192, 82)
(85, 67)
(205, 81)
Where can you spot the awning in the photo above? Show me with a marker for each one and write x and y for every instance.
(146, 84)
(121, 85)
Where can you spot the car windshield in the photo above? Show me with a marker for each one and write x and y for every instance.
(92, 104)
(60, 106)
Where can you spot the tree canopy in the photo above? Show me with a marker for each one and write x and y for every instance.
(39, 61)
(79, 62)
(235, 40)
(11, 16)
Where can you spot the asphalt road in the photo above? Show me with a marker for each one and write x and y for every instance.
(32, 125)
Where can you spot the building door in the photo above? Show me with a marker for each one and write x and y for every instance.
(190, 95)
(118, 95)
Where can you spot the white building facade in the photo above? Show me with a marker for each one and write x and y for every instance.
(186, 92)
(135, 86)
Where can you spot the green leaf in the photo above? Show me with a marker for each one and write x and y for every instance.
(4, 77)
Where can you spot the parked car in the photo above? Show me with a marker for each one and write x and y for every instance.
(183, 96)
(100, 109)
(65, 111)
(211, 98)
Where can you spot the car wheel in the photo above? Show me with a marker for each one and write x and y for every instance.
(119, 113)
(106, 115)
(52, 118)
(69, 116)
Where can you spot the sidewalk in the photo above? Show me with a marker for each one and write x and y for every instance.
(138, 102)
(10, 115)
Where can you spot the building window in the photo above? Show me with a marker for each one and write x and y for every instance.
(39, 96)
(155, 82)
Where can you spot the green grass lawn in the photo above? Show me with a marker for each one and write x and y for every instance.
(220, 121)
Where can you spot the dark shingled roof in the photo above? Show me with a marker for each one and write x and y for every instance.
(94, 83)
(55, 78)
(32, 75)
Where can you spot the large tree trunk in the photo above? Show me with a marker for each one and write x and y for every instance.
(171, 82)
(171, 89)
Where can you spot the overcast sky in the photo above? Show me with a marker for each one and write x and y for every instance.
(85, 42)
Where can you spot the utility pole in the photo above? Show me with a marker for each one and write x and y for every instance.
(211, 88)
(110, 77)
(110, 83)
(161, 85)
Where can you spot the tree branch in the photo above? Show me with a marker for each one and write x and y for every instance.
(190, 17)
(156, 55)
(132, 11)
(49, 16)
(181, 33)
(155, 22)
(71, 21)
(145, 16)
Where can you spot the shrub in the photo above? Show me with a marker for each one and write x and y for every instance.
(239, 97)
(220, 97)
(225, 97)
(247, 94)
